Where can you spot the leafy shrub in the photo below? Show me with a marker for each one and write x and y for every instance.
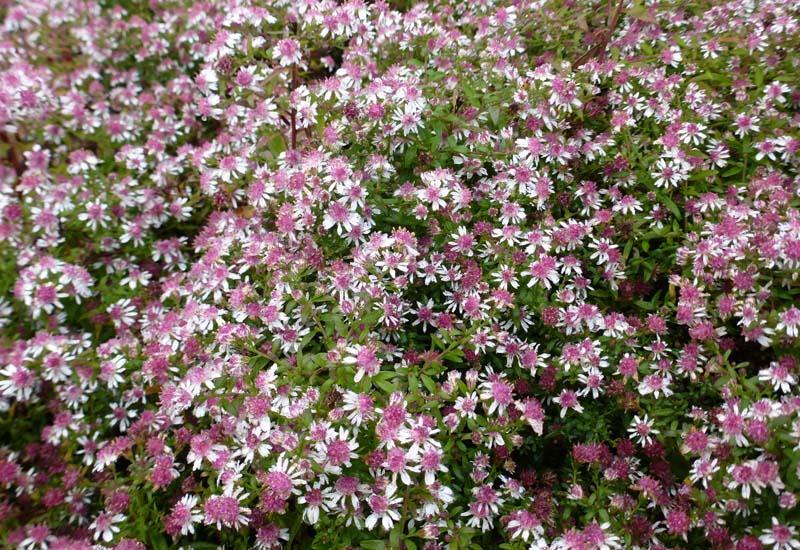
(391, 275)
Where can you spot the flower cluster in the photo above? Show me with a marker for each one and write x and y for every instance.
(400, 275)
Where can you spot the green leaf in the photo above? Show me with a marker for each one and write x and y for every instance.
(758, 78)
(494, 114)
(627, 252)
(385, 386)
(413, 383)
(373, 545)
(671, 206)
(428, 382)
(395, 535)
(277, 145)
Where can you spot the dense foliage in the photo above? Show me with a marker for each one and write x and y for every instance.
(453, 274)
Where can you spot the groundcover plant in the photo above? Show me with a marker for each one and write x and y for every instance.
(449, 274)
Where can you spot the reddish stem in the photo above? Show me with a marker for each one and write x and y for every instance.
(613, 21)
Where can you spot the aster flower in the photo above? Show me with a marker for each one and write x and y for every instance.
(269, 537)
(568, 399)
(288, 52)
(337, 450)
(383, 508)
(184, 516)
(497, 391)
(779, 376)
(703, 469)
(780, 536)
(466, 405)
(525, 525)
(317, 500)
(365, 358)
(668, 173)
(789, 322)
(360, 406)
(283, 479)
(543, 271)
(226, 509)
(105, 526)
(642, 429)
(18, 382)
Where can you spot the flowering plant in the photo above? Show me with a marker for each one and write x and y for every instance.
(377, 275)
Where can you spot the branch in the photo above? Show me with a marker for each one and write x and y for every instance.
(613, 20)
(15, 159)
(293, 88)
(293, 114)
(13, 153)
